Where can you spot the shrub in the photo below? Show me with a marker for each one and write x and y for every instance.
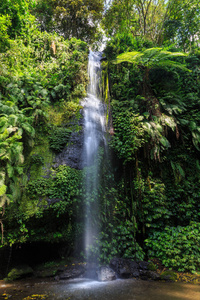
(177, 247)
(59, 138)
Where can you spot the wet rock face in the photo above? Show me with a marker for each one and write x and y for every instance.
(106, 274)
(71, 155)
(71, 272)
(90, 271)
(119, 268)
(126, 268)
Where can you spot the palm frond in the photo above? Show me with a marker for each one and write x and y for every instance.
(127, 57)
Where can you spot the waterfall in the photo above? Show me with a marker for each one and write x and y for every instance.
(94, 137)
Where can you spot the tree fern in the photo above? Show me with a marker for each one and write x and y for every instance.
(151, 58)
(177, 170)
(157, 122)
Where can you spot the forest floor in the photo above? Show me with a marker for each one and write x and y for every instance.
(181, 276)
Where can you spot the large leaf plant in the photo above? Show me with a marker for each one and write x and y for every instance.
(156, 122)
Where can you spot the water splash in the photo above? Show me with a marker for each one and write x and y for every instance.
(94, 137)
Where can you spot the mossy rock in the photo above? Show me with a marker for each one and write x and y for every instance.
(151, 267)
(47, 273)
(19, 272)
(169, 276)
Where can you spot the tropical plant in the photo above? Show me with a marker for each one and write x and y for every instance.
(177, 247)
(77, 18)
(156, 121)
(14, 124)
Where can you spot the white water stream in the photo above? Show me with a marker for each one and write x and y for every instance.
(94, 130)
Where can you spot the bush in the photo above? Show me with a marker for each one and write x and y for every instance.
(59, 138)
(177, 247)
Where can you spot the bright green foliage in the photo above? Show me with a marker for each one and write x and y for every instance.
(77, 18)
(152, 94)
(119, 17)
(59, 138)
(162, 22)
(148, 60)
(4, 37)
(47, 210)
(62, 185)
(129, 134)
(38, 73)
(151, 58)
(120, 241)
(155, 211)
(182, 23)
(30, 79)
(14, 124)
(156, 177)
(177, 247)
(144, 18)
(66, 183)
(16, 12)
(125, 42)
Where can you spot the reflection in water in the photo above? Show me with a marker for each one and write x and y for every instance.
(129, 289)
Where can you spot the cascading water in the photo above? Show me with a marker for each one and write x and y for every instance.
(94, 130)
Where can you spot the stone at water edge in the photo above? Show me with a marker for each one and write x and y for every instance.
(73, 271)
(106, 274)
(149, 275)
(19, 272)
(125, 268)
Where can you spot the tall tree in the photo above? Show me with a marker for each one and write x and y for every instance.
(71, 18)
(152, 15)
(175, 21)
(17, 11)
(182, 25)
(119, 17)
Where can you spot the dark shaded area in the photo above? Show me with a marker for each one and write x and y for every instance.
(31, 254)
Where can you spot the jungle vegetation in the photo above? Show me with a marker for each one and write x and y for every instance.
(149, 191)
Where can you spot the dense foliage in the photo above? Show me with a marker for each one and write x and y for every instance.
(149, 189)
(163, 22)
(154, 95)
(42, 79)
(77, 18)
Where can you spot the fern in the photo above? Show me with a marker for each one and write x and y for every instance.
(151, 58)
(177, 170)
(3, 189)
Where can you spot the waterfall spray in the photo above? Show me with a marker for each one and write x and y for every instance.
(94, 130)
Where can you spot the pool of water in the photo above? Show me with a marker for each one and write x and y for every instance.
(83, 289)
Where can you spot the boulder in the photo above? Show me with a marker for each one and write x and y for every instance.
(143, 265)
(106, 274)
(19, 272)
(125, 268)
(149, 275)
(71, 272)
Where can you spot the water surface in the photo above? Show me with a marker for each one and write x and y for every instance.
(83, 289)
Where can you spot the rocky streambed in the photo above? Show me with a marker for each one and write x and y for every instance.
(122, 280)
(118, 268)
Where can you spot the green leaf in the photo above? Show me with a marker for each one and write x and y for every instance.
(3, 189)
